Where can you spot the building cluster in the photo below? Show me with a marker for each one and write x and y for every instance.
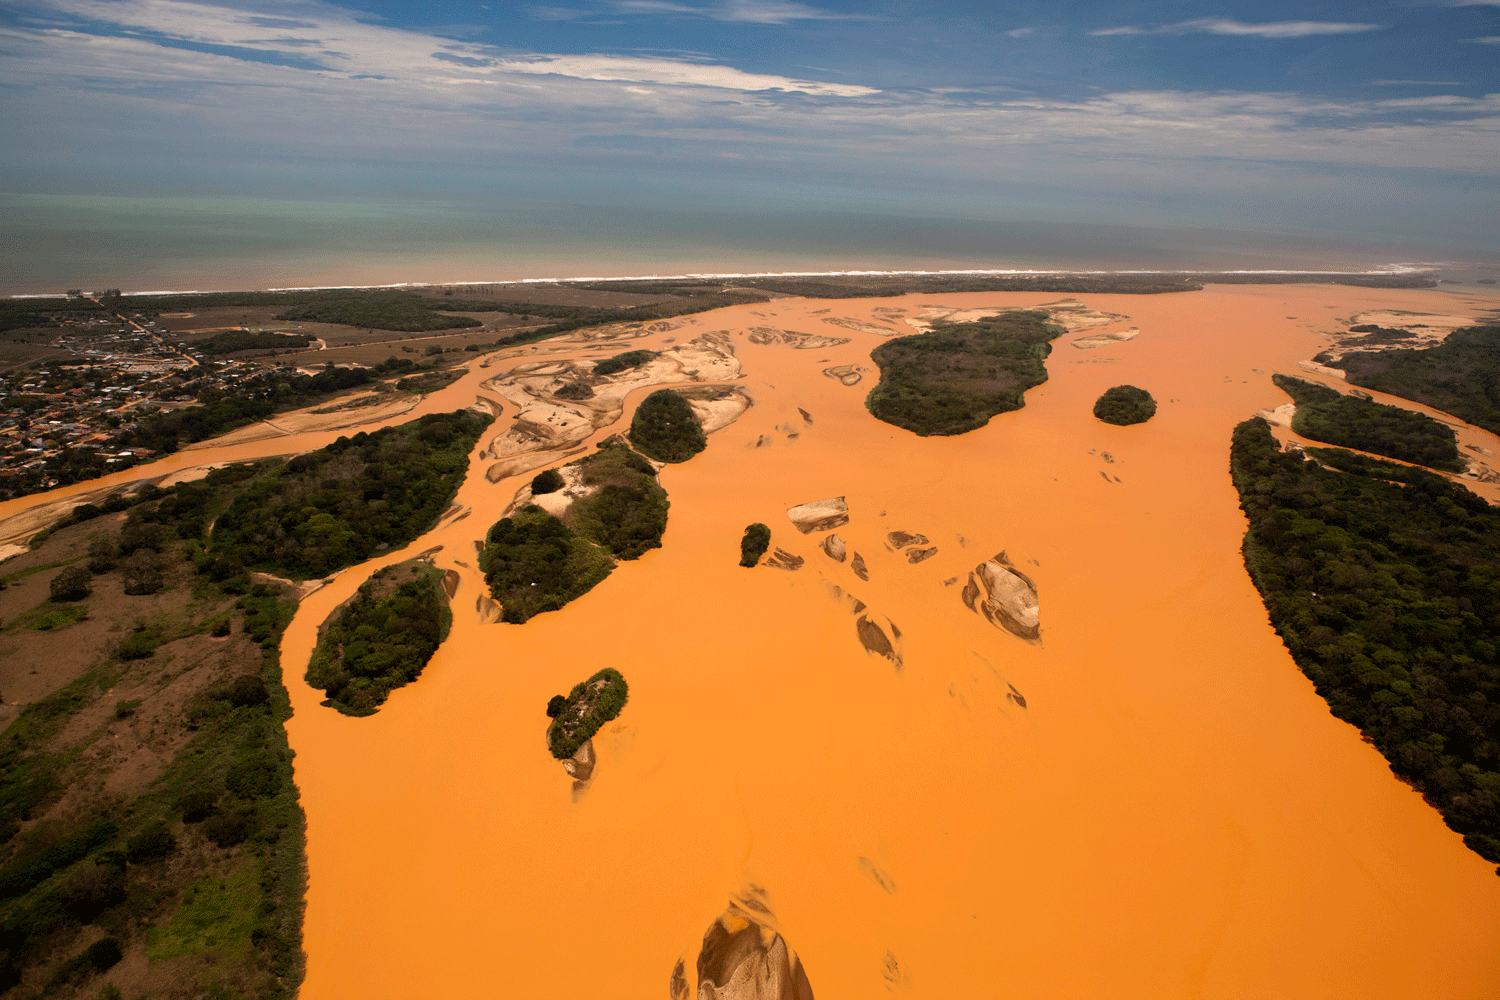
(117, 373)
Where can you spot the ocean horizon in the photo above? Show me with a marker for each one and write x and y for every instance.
(209, 243)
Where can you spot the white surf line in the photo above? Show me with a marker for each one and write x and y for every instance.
(1379, 270)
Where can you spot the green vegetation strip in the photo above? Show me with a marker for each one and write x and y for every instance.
(957, 376)
(1326, 415)
(1460, 376)
(591, 703)
(382, 638)
(665, 428)
(1384, 582)
(1124, 405)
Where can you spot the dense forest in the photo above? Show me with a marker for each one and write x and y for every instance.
(1326, 415)
(957, 376)
(234, 341)
(627, 514)
(23, 314)
(535, 563)
(341, 504)
(666, 429)
(591, 703)
(1460, 376)
(1124, 405)
(1384, 582)
(381, 638)
(193, 879)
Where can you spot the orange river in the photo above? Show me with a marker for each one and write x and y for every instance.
(1174, 812)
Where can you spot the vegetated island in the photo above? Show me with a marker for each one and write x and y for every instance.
(1327, 415)
(1384, 582)
(1460, 376)
(665, 428)
(381, 638)
(957, 376)
(535, 561)
(591, 703)
(1124, 405)
(754, 544)
(621, 362)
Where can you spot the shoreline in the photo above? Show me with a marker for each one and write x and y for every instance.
(1384, 270)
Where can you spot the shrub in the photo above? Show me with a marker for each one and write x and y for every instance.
(248, 690)
(199, 806)
(140, 645)
(151, 844)
(1124, 405)
(555, 704)
(666, 429)
(220, 628)
(549, 481)
(575, 390)
(72, 584)
(102, 555)
(228, 829)
(92, 890)
(254, 778)
(143, 573)
(757, 539)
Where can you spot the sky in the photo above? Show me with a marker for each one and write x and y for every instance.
(1375, 121)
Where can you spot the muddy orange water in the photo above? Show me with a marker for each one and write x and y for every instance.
(1173, 813)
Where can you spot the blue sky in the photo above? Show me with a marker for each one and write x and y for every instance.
(1378, 119)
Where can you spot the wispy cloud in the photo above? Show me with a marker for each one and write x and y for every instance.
(1417, 83)
(1226, 26)
(1486, 40)
(743, 11)
(1021, 32)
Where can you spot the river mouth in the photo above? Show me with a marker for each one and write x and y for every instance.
(1149, 800)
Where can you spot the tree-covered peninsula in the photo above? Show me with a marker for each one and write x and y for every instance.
(957, 376)
(341, 504)
(1326, 415)
(381, 638)
(1384, 582)
(1460, 376)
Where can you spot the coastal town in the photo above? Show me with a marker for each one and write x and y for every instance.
(68, 413)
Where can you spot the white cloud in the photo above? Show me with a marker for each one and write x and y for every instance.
(403, 96)
(1021, 32)
(1487, 40)
(743, 11)
(1417, 83)
(1226, 26)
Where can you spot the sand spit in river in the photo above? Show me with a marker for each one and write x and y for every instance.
(743, 959)
(1172, 815)
(1005, 596)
